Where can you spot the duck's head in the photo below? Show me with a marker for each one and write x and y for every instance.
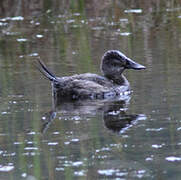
(114, 63)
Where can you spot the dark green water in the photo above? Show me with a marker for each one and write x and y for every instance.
(136, 138)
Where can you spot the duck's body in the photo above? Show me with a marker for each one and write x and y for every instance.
(88, 86)
(93, 86)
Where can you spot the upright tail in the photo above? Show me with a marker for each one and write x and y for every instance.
(44, 70)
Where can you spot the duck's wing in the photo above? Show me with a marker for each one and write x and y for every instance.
(89, 89)
(94, 78)
(84, 88)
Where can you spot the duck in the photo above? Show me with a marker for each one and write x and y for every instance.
(91, 86)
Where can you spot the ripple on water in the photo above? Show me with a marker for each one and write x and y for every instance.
(67, 143)
(125, 33)
(149, 158)
(23, 175)
(31, 154)
(76, 118)
(3, 24)
(157, 146)
(76, 14)
(59, 169)
(80, 173)
(8, 33)
(108, 172)
(70, 21)
(155, 129)
(15, 18)
(97, 28)
(6, 168)
(173, 9)
(133, 11)
(123, 20)
(31, 133)
(122, 173)
(52, 143)
(77, 164)
(33, 54)
(173, 158)
(56, 133)
(22, 40)
(74, 140)
(5, 154)
(103, 149)
(5, 112)
(39, 36)
(17, 143)
(178, 129)
(30, 148)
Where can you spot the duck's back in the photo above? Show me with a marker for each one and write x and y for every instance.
(86, 86)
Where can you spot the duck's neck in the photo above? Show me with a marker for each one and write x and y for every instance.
(119, 80)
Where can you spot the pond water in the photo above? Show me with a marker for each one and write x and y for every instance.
(137, 137)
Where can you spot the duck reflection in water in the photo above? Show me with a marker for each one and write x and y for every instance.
(114, 112)
(89, 93)
(117, 119)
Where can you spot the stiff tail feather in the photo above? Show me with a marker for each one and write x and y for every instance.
(45, 71)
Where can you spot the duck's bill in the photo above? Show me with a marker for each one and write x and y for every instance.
(130, 64)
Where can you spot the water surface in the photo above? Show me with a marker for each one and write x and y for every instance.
(137, 137)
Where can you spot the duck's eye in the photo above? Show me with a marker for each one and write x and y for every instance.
(118, 63)
(127, 63)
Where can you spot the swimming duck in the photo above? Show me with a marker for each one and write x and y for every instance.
(92, 86)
